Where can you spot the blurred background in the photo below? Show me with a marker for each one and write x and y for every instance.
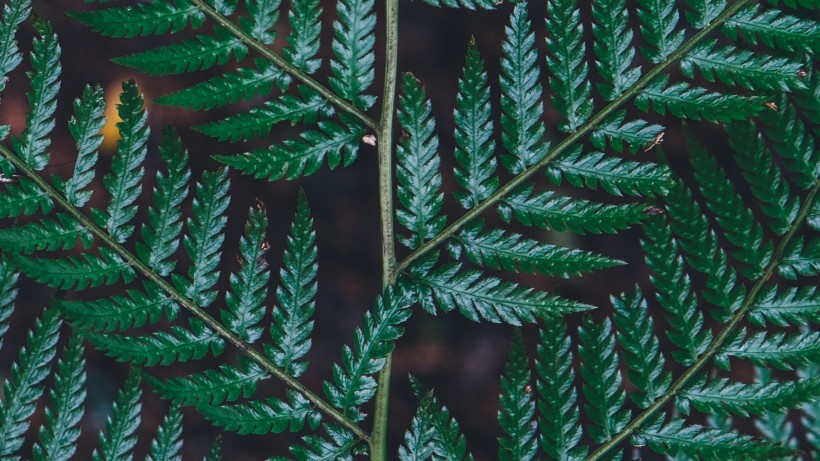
(462, 360)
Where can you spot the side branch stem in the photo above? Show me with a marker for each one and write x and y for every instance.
(726, 332)
(186, 303)
(571, 139)
(262, 49)
(378, 442)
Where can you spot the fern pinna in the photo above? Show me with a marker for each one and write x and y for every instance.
(729, 240)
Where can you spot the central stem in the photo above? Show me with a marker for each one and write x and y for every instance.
(378, 441)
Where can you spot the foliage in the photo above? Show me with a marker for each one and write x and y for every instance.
(729, 241)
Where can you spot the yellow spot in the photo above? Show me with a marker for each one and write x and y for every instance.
(110, 132)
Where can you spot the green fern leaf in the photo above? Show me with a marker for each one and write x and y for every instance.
(602, 380)
(190, 55)
(613, 48)
(120, 437)
(212, 387)
(792, 140)
(295, 295)
(76, 272)
(560, 431)
(353, 383)
(45, 234)
(352, 67)
(512, 252)
(448, 443)
(85, 128)
(303, 41)
(632, 134)
(709, 444)
(516, 416)
(702, 12)
(743, 68)
(522, 112)
(161, 347)
(124, 181)
(161, 236)
(763, 176)
(418, 175)
(24, 385)
(301, 156)
(264, 14)
(240, 85)
(567, 63)
(136, 309)
(658, 20)
(774, 29)
(478, 296)
(780, 350)
(15, 12)
(695, 103)
(59, 434)
(339, 445)
(800, 259)
(550, 211)
(614, 175)
(673, 289)
(258, 122)
(155, 18)
(787, 306)
(204, 238)
(215, 453)
(724, 396)
(167, 444)
(474, 134)
(640, 348)
(811, 417)
(223, 7)
(24, 198)
(264, 417)
(419, 438)
(774, 425)
(468, 4)
(8, 293)
(42, 99)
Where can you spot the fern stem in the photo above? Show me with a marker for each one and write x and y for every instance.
(262, 49)
(378, 442)
(189, 305)
(572, 138)
(719, 340)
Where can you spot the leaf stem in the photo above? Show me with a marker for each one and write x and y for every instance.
(378, 442)
(719, 340)
(262, 49)
(189, 305)
(571, 139)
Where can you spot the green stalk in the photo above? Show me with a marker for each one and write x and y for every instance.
(186, 303)
(262, 49)
(571, 139)
(378, 441)
(725, 333)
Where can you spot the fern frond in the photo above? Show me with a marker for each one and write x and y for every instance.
(550, 211)
(161, 235)
(522, 126)
(558, 422)
(695, 103)
(448, 442)
(124, 181)
(787, 306)
(76, 272)
(24, 385)
(85, 128)
(743, 68)
(59, 434)
(263, 16)
(303, 40)
(631, 134)
(292, 325)
(512, 252)
(468, 4)
(774, 425)
(120, 436)
(167, 444)
(724, 396)
(811, 417)
(264, 417)
(614, 175)
(699, 442)
(780, 350)
(245, 300)
(703, 12)
(212, 387)
(418, 174)
(229, 88)
(474, 134)
(774, 29)
(190, 55)
(613, 48)
(352, 66)
(658, 21)
(793, 141)
(800, 259)
(15, 12)
(42, 99)
(155, 18)
(338, 445)
(24, 198)
(478, 296)
(46, 234)
(215, 453)
(418, 442)
(8, 293)
(516, 416)
(137, 308)
(640, 348)
(566, 60)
